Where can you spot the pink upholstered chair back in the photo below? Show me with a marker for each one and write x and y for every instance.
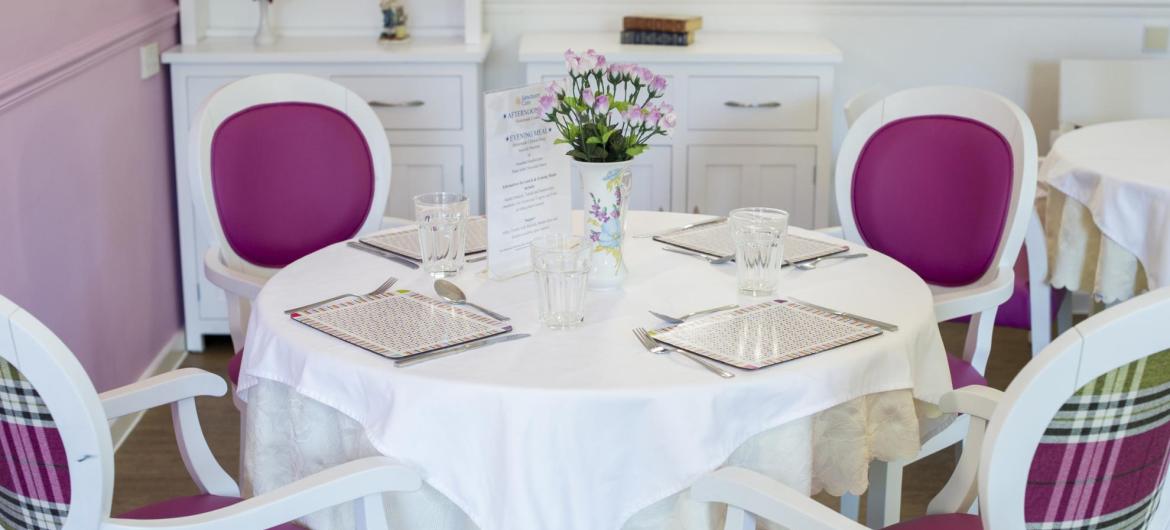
(1081, 438)
(286, 164)
(56, 456)
(937, 178)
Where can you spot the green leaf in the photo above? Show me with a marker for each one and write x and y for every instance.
(636, 150)
(623, 106)
(561, 141)
(593, 140)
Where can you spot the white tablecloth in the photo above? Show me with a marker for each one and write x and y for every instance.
(581, 429)
(1119, 172)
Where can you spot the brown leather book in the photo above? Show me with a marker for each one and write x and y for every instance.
(667, 23)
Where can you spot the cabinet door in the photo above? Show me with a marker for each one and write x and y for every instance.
(722, 178)
(650, 174)
(417, 170)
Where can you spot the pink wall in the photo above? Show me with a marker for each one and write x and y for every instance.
(87, 223)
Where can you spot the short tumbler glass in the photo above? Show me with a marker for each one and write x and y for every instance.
(561, 266)
(442, 232)
(759, 248)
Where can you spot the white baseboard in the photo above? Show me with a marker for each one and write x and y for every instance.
(172, 354)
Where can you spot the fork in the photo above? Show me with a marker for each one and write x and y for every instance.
(692, 314)
(654, 346)
(386, 285)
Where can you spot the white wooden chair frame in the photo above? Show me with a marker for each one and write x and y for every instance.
(240, 279)
(979, 300)
(82, 417)
(1005, 430)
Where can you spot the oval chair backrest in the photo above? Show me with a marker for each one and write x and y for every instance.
(936, 178)
(1082, 436)
(56, 456)
(286, 164)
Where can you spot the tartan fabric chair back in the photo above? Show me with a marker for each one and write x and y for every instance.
(56, 458)
(1084, 440)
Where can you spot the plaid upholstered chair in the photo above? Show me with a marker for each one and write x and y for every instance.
(57, 460)
(1080, 440)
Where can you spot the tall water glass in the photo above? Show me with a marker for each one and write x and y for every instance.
(561, 266)
(759, 248)
(442, 232)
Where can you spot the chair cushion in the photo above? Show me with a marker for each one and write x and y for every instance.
(184, 506)
(234, 367)
(949, 521)
(961, 172)
(963, 374)
(35, 486)
(289, 179)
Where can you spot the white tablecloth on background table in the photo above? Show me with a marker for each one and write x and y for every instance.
(1119, 173)
(581, 429)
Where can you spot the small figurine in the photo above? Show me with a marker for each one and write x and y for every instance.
(393, 21)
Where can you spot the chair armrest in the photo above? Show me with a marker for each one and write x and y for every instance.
(978, 401)
(238, 283)
(362, 480)
(743, 490)
(179, 389)
(954, 302)
(161, 390)
(832, 231)
(394, 222)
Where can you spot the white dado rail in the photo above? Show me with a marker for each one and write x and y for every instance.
(754, 119)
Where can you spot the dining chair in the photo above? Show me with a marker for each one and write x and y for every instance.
(57, 458)
(282, 165)
(1080, 439)
(943, 180)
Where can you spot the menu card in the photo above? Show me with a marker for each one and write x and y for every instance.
(765, 334)
(526, 179)
(715, 240)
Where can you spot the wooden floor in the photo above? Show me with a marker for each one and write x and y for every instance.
(149, 469)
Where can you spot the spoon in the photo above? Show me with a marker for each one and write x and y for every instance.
(810, 265)
(704, 257)
(453, 294)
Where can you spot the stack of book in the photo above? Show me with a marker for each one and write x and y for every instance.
(660, 30)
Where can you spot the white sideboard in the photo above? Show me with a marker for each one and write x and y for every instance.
(754, 124)
(426, 92)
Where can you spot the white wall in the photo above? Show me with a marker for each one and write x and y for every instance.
(1011, 47)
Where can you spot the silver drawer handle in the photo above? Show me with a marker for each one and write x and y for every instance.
(764, 105)
(397, 104)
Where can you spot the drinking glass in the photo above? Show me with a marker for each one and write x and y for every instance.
(759, 248)
(561, 266)
(442, 232)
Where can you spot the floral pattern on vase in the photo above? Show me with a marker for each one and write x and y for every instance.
(606, 187)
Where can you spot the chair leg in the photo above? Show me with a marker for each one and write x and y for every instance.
(883, 502)
(851, 506)
(739, 519)
(977, 347)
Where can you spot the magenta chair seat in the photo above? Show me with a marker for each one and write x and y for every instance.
(185, 506)
(963, 374)
(949, 521)
(234, 367)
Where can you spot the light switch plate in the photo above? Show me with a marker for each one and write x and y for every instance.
(1156, 39)
(149, 60)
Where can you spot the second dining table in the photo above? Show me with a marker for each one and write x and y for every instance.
(583, 429)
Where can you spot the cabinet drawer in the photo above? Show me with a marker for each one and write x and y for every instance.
(753, 103)
(411, 102)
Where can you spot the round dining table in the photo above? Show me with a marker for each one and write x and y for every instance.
(583, 429)
(1108, 209)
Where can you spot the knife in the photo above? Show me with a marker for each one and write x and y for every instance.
(424, 357)
(878, 323)
(382, 253)
(684, 227)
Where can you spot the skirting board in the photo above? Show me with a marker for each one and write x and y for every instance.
(169, 358)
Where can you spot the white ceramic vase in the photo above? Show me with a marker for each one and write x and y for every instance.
(264, 34)
(606, 191)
